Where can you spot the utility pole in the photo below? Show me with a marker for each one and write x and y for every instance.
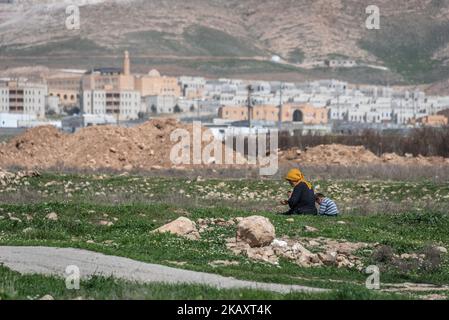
(81, 102)
(338, 105)
(198, 108)
(280, 107)
(249, 104)
(414, 105)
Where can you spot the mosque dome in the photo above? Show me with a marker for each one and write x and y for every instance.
(154, 73)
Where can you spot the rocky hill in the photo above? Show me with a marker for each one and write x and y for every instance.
(413, 40)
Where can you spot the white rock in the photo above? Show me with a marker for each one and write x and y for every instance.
(441, 250)
(106, 223)
(52, 216)
(299, 248)
(279, 243)
(182, 227)
(27, 230)
(310, 229)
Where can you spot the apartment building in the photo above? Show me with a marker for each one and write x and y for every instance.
(433, 121)
(111, 91)
(66, 86)
(290, 113)
(153, 84)
(160, 104)
(23, 97)
(124, 105)
(67, 98)
(192, 87)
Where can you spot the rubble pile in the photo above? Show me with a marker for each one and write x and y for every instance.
(10, 178)
(255, 238)
(304, 252)
(335, 154)
(209, 223)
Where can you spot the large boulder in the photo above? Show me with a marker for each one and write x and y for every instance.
(183, 227)
(257, 231)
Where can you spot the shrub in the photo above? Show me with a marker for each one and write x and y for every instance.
(383, 254)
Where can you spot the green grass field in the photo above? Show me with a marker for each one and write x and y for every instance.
(405, 216)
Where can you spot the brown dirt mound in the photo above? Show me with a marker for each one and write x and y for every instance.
(335, 154)
(148, 146)
(145, 146)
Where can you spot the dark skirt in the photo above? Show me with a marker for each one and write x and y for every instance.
(312, 211)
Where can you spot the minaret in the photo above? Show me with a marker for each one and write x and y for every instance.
(126, 64)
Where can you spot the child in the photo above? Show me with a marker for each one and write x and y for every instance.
(327, 206)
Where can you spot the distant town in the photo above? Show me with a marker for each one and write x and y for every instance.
(71, 99)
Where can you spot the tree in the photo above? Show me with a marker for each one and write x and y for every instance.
(141, 115)
(50, 112)
(153, 108)
(192, 108)
(73, 111)
(177, 109)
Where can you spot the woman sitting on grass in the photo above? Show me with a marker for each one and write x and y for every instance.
(302, 199)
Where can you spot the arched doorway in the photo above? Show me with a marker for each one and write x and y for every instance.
(297, 116)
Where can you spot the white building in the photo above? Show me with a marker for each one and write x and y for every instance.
(11, 120)
(20, 120)
(346, 102)
(52, 104)
(72, 123)
(403, 116)
(23, 97)
(160, 104)
(338, 63)
(125, 105)
(192, 87)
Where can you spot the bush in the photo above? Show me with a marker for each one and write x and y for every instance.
(383, 254)
(432, 260)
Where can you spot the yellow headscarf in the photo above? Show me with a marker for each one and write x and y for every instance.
(296, 176)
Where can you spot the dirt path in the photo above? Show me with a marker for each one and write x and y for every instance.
(53, 261)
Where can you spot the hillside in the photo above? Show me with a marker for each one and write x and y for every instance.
(413, 41)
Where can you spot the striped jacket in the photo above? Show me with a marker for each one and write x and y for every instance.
(328, 207)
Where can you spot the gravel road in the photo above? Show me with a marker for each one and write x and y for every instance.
(53, 261)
